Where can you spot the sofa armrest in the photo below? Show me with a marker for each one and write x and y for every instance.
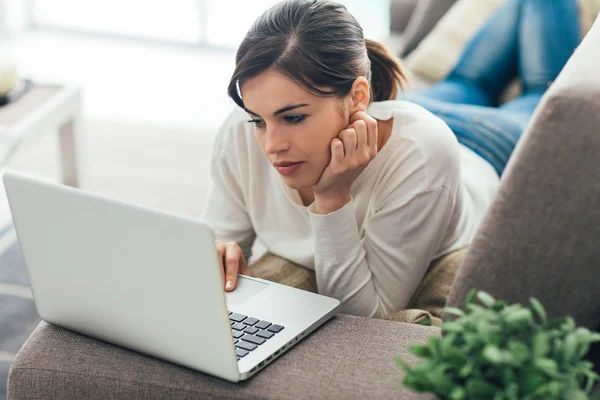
(541, 235)
(348, 357)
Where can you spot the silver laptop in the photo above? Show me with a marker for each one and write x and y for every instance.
(151, 281)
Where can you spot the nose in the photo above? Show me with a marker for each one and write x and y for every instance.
(275, 142)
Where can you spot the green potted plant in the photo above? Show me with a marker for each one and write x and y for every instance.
(494, 351)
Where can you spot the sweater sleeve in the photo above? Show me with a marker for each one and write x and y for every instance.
(377, 274)
(225, 211)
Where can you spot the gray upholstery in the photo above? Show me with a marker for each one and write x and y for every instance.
(424, 17)
(400, 14)
(541, 236)
(349, 357)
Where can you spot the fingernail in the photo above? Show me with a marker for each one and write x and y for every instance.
(229, 285)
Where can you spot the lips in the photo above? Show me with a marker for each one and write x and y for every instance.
(286, 168)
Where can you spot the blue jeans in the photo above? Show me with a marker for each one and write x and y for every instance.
(528, 39)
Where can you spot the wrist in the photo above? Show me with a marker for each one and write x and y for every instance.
(325, 204)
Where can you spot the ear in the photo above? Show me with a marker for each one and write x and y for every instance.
(359, 95)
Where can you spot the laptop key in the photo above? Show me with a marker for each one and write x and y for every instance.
(237, 317)
(253, 339)
(275, 328)
(237, 334)
(251, 330)
(245, 345)
(262, 325)
(240, 352)
(238, 327)
(250, 321)
(265, 334)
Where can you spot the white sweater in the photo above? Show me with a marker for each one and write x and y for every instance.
(422, 196)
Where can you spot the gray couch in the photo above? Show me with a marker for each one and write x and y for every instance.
(541, 237)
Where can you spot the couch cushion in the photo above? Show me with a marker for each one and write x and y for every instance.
(349, 357)
(424, 17)
(439, 51)
(541, 235)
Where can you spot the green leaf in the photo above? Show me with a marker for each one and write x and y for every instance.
(519, 350)
(467, 369)
(471, 296)
(556, 322)
(402, 364)
(424, 366)
(591, 378)
(551, 389)
(420, 350)
(531, 380)
(570, 349)
(576, 394)
(452, 326)
(493, 354)
(486, 299)
(539, 309)
(519, 317)
(434, 345)
(458, 393)
(443, 384)
(454, 311)
(425, 321)
(594, 337)
(511, 391)
(477, 388)
(541, 344)
(547, 366)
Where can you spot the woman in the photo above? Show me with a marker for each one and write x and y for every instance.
(329, 171)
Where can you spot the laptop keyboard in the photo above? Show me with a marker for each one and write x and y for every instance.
(249, 333)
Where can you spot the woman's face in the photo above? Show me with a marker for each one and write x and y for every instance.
(293, 126)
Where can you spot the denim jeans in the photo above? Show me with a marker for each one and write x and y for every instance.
(528, 39)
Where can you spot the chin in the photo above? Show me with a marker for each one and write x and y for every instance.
(298, 184)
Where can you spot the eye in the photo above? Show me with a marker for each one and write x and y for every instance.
(259, 123)
(294, 119)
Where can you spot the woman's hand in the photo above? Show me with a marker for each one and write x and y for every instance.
(232, 263)
(351, 152)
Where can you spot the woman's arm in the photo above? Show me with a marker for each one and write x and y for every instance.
(225, 211)
(377, 274)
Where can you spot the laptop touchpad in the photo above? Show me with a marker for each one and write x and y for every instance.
(244, 290)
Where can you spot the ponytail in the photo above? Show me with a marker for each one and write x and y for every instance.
(387, 74)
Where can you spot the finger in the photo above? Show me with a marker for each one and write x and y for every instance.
(361, 115)
(221, 250)
(244, 270)
(337, 152)
(372, 135)
(356, 116)
(360, 127)
(232, 262)
(372, 131)
(348, 137)
(373, 138)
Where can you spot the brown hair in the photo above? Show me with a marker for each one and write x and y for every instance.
(319, 45)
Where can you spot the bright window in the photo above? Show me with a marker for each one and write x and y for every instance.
(219, 23)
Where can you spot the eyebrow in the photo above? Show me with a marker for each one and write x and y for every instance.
(281, 110)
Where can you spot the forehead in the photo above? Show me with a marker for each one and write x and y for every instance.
(271, 90)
